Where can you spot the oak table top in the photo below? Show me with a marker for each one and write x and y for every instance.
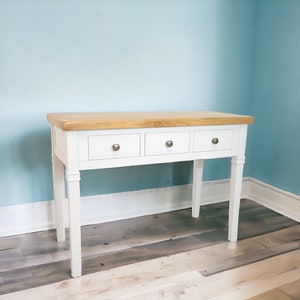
(122, 120)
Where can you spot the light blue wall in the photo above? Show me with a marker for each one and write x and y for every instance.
(276, 103)
(118, 55)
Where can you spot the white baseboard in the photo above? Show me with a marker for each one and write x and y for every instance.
(26, 218)
(39, 216)
(274, 198)
(33, 217)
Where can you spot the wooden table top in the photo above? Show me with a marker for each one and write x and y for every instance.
(124, 120)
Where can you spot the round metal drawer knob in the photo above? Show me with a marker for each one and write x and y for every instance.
(215, 141)
(169, 144)
(116, 147)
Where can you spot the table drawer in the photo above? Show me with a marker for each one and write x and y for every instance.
(167, 143)
(113, 146)
(211, 140)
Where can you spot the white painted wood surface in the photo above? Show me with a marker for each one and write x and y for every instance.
(237, 166)
(197, 186)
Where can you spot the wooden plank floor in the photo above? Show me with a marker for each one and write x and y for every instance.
(168, 255)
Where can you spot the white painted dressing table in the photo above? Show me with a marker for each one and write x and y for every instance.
(86, 141)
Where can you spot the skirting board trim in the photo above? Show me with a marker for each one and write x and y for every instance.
(39, 216)
(283, 202)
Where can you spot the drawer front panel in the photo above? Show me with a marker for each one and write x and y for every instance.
(212, 140)
(167, 143)
(113, 146)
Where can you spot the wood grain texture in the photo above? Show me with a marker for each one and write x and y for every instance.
(122, 120)
(178, 277)
(167, 255)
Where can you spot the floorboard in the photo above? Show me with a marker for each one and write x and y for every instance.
(36, 259)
